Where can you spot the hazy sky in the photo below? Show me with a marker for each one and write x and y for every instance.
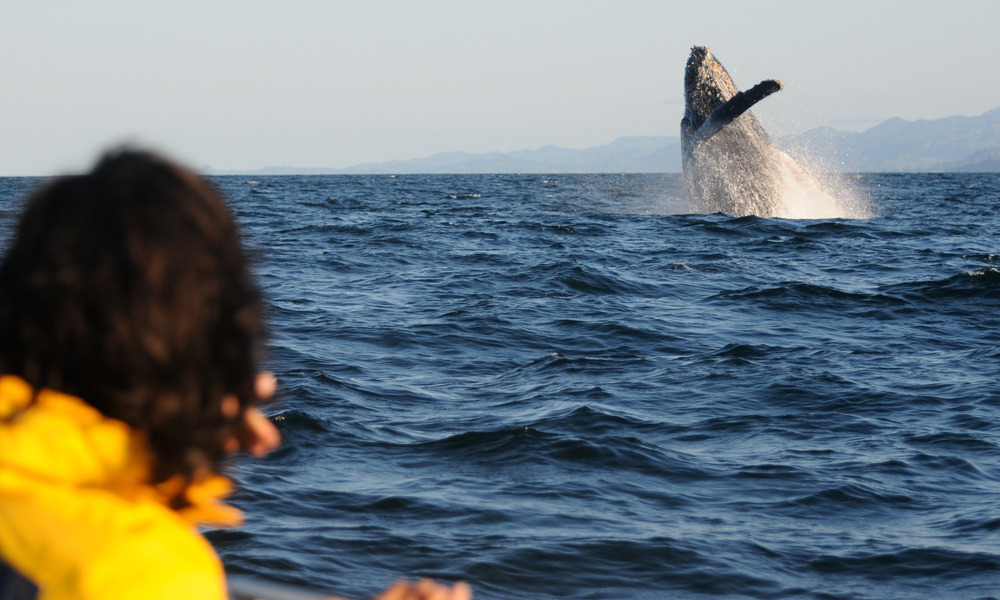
(321, 83)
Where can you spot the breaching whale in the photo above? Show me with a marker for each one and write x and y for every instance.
(730, 164)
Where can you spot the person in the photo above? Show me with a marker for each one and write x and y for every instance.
(130, 331)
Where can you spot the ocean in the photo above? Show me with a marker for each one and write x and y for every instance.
(565, 386)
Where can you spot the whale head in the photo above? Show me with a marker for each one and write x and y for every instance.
(707, 86)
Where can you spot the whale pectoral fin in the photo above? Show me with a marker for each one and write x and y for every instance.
(736, 106)
(742, 101)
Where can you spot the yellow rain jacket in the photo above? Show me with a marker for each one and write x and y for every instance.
(77, 518)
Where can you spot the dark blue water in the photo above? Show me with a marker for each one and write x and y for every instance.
(563, 387)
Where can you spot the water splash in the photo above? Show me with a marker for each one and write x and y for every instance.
(806, 195)
(766, 182)
(818, 188)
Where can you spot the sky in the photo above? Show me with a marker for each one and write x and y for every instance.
(328, 84)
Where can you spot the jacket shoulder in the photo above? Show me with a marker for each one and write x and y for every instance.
(96, 546)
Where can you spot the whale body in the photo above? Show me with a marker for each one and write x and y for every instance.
(730, 164)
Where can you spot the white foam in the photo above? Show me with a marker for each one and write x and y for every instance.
(806, 196)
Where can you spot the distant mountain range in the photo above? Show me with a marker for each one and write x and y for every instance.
(938, 145)
(625, 155)
(649, 154)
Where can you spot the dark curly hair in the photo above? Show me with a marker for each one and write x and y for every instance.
(129, 288)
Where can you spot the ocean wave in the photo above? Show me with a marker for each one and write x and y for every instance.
(559, 387)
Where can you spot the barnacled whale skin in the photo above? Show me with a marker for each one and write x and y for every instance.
(730, 164)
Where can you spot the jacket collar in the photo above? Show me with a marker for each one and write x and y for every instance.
(60, 439)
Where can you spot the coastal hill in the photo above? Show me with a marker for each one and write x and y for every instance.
(646, 154)
(951, 144)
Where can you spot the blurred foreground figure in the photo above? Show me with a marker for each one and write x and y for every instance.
(129, 330)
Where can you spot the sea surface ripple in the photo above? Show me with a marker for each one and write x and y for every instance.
(565, 387)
